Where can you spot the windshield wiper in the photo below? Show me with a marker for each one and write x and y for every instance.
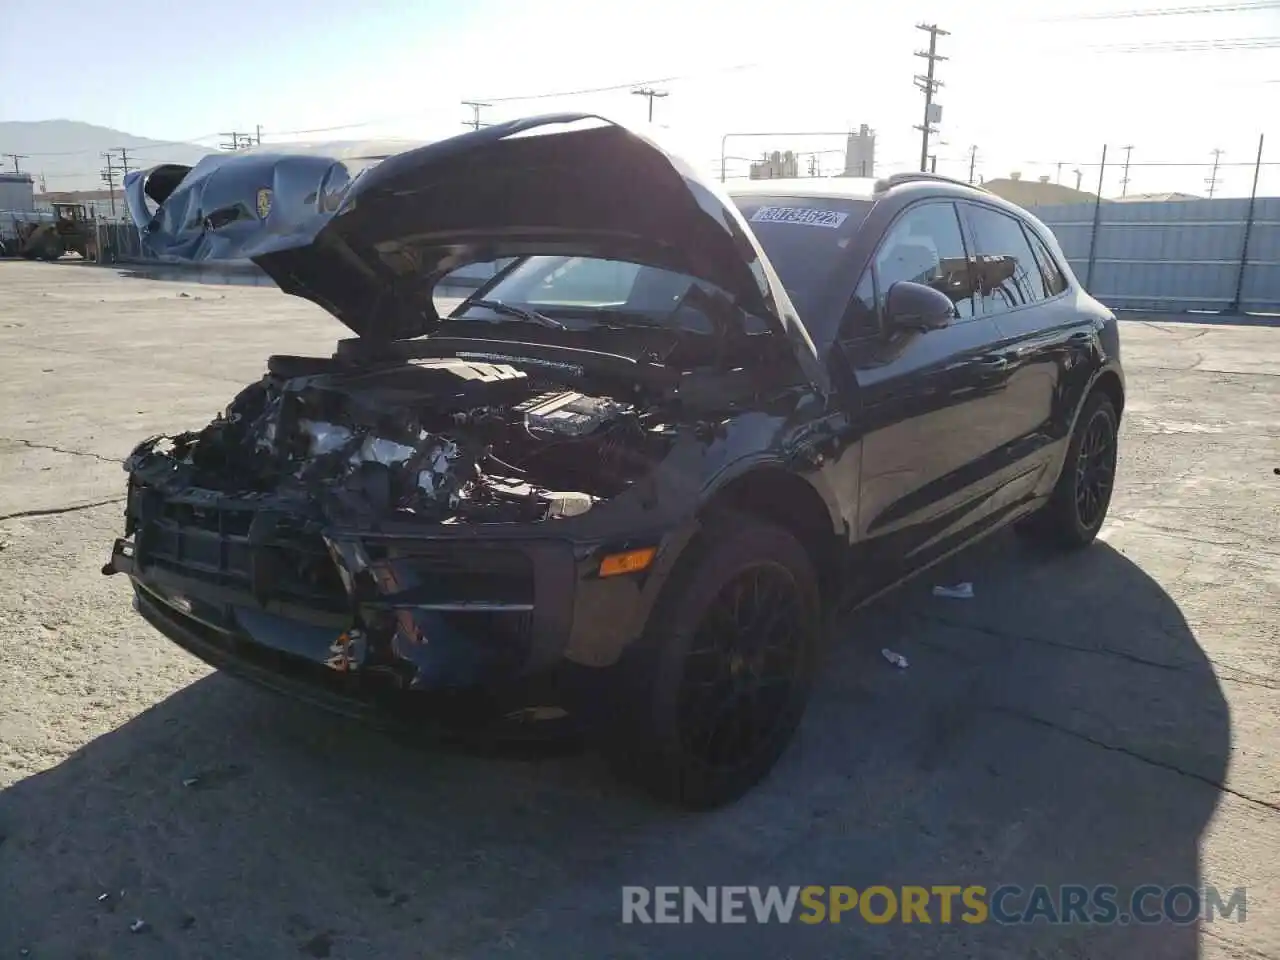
(520, 313)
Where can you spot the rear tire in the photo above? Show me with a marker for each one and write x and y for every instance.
(1078, 506)
(708, 699)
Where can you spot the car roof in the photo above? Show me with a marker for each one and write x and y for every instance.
(825, 188)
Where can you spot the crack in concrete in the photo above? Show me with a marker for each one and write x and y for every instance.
(54, 511)
(1251, 680)
(1162, 764)
(1195, 368)
(1178, 534)
(1045, 641)
(74, 453)
(1245, 949)
(1248, 678)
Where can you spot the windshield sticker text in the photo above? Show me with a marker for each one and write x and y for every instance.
(805, 216)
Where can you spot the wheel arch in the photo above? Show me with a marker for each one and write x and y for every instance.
(1109, 382)
(779, 496)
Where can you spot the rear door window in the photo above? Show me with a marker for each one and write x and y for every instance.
(1054, 281)
(1006, 272)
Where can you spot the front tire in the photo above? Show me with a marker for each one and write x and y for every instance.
(1078, 506)
(713, 692)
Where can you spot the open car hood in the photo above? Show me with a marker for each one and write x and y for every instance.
(369, 245)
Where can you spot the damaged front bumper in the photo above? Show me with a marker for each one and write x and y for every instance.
(367, 621)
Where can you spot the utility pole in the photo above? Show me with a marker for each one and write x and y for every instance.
(124, 162)
(1059, 171)
(652, 94)
(973, 159)
(1124, 180)
(258, 135)
(1212, 179)
(929, 86)
(476, 106)
(15, 157)
(109, 178)
(1079, 177)
(236, 140)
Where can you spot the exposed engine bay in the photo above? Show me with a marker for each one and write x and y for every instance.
(444, 440)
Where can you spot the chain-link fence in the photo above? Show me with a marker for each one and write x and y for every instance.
(118, 241)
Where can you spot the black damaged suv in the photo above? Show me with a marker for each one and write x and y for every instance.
(628, 476)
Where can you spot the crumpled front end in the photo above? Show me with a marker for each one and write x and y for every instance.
(369, 533)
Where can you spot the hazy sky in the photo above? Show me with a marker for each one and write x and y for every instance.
(1032, 84)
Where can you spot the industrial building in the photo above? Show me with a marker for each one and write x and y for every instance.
(17, 192)
(776, 166)
(860, 153)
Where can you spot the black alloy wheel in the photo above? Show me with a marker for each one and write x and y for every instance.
(1078, 506)
(705, 702)
(741, 669)
(1095, 468)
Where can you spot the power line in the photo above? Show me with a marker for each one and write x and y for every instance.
(652, 94)
(1207, 9)
(622, 86)
(159, 145)
(929, 86)
(1193, 46)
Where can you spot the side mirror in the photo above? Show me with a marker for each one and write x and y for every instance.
(917, 307)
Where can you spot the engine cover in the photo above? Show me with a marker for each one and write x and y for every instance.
(569, 414)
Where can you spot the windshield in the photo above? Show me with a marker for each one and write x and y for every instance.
(583, 292)
(805, 238)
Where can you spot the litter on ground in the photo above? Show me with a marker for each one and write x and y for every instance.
(897, 659)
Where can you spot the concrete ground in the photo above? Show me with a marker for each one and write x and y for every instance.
(1104, 718)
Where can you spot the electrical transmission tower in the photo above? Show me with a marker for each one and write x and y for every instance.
(652, 94)
(1212, 179)
(476, 106)
(930, 86)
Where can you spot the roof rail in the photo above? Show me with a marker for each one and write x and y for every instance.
(912, 176)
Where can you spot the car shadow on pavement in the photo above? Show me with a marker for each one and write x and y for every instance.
(1061, 727)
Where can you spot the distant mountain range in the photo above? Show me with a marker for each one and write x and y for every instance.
(68, 154)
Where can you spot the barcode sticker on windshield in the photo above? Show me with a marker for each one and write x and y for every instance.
(806, 216)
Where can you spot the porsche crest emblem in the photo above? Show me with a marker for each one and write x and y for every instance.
(264, 202)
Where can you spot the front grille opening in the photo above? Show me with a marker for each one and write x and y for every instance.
(461, 573)
(211, 544)
(502, 637)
